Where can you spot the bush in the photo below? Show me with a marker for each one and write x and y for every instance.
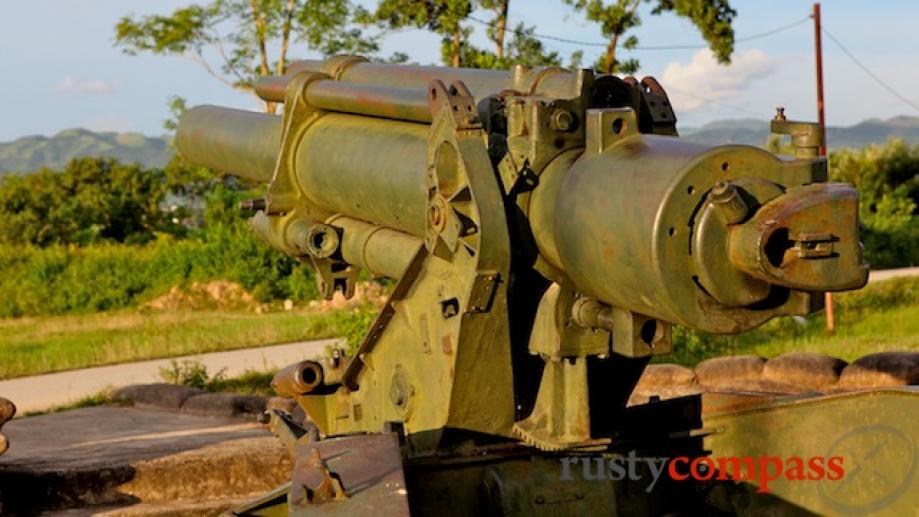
(191, 373)
(62, 276)
(887, 178)
(70, 279)
(91, 200)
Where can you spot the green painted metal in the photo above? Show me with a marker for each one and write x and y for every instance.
(234, 141)
(873, 433)
(546, 228)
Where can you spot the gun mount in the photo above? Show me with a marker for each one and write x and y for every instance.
(545, 227)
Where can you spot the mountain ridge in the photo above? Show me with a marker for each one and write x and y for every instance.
(756, 132)
(33, 152)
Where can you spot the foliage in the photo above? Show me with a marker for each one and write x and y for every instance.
(887, 178)
(63, 278)
(523, 49)
(92, 200)
(443, 17)
(100, 235)
(446, 18)
(240, 33)
(713, 18)
(191, 373)
(177, 106)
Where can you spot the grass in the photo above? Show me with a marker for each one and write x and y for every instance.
(45, 344)
(883, 316)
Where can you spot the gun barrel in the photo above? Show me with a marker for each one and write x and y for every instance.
(349, 69)
(358, 71)
(238, 142)
(716, 238)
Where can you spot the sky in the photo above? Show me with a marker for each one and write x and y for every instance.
(59, 67)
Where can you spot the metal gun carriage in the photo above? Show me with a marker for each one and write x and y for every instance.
(545, 229)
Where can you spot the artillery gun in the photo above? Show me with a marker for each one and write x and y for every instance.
(545, 229)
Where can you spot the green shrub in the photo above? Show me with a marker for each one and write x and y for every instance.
(71, 279)
(191, 373)
(887, 178)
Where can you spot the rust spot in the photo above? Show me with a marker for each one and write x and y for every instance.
(447, 343)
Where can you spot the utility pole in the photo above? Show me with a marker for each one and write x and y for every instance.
(821, 120)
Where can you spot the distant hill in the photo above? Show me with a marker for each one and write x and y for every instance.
(31, 153)
(756, 132)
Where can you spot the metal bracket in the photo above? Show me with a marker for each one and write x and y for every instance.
(655, 114)
(806, 137)
(608, 126)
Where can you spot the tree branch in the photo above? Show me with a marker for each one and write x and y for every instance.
(258, 17)
(501, 27)
(198, 58)
(614, 41)
(285, 36)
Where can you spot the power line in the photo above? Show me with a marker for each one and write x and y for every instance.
(714, 101)
(868, 71)
(751, 37)
(651, 47)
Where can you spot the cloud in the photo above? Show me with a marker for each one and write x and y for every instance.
(109, 123)
(71, 84)
(703, 81)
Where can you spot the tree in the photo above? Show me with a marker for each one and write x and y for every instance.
(443, 17)
(713, 18)
(523, 49)
(243, 32)
(91, 200)
(887, 179)
(498, 29)
(446, 17)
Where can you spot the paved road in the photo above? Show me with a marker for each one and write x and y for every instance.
(884, 274)
(41, 392)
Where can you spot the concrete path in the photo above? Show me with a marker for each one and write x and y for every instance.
(42, 392)
(884, 274)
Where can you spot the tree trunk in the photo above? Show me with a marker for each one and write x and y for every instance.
(285, 36)
(259, 18)
(457, 41)
(501, 28)
(610, 56)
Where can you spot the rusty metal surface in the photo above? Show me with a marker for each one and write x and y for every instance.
(369, 469)
(7, 410)
(546, 227)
